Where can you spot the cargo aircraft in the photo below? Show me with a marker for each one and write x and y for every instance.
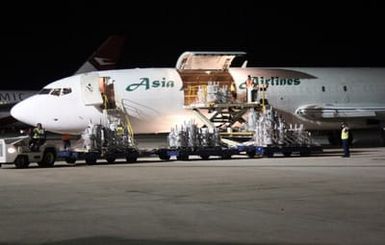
(155, 99)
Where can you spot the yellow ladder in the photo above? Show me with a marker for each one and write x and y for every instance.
(129, 126)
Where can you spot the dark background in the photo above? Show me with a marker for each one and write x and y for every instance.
(42, 42)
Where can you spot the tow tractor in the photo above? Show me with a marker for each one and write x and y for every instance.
(16, 150)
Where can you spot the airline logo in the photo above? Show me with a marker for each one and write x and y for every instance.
(104, 61)
(273, 81)
(146, 84)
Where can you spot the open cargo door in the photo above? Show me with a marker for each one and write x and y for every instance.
(206, 60)
(204, 74)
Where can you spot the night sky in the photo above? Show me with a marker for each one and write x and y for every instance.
(43, 42)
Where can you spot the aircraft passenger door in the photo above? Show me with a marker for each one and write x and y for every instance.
(90, 92)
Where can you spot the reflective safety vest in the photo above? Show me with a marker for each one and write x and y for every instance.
(119, 130)
(344, 134)
(38, 133)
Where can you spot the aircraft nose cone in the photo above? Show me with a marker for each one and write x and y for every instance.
(21, 112)
(16, 111)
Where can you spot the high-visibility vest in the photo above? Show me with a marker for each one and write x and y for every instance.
(119, 130)
(344, 134)
(38, 133)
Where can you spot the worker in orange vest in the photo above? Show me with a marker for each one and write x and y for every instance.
(66, 141)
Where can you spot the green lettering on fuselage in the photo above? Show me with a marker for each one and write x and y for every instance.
(273, 81)
(144, 82)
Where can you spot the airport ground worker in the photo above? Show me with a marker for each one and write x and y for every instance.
(105, 101)
(38, 137)
(66, 141)
(119, 130)
(88, 137)
(121, 133)
(345, 139)
(249, 89)
(233, 91)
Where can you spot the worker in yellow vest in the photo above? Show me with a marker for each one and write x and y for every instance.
(119, 130)
(345, 139)
(38, 137)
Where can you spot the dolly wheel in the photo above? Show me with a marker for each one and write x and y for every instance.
(131, 159)
(251, 154)
(205, 156)
(110, 160)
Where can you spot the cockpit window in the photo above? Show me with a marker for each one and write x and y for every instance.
(45, 91)
(66, 91)
(56, 92)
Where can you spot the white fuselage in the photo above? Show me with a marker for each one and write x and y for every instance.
(154, 97)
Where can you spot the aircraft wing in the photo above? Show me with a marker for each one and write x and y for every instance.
(335, 111)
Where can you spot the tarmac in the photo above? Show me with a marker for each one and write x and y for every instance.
(321, 199)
